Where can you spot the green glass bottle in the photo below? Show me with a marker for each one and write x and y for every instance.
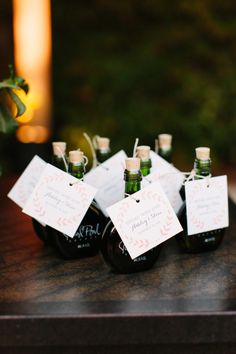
(143, 152)
(86, 241)
(113, 249)
(205, 241)
(59, 160)
(164, 147)
(103, 151)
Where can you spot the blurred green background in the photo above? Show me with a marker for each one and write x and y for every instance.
(127, 69)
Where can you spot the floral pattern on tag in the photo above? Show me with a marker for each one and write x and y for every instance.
(207, 204)
(25, 184)
(60, 200)
(144, 219)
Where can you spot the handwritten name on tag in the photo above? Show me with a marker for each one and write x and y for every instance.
(144, 220)
(207, 204)
(25, 184)
(169, 177)
(108, 178)
(59, 200)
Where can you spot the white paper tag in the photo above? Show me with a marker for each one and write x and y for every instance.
(57, 203)
(207, 204)
(25, 184)
(108, 178)
(170, 178)
(145, 224)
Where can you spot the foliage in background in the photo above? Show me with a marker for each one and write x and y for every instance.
(11, 105)
(139, 68)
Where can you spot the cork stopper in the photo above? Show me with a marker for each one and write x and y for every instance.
(202, 153)
(132, 163)
(59, 148)
(143, 152)
(165, 140)
(103, 143)
(76, 156)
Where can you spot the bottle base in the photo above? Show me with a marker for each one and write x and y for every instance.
(40, 230)
(68, 249)
(203, 242)
(117, 258)
(140, 264)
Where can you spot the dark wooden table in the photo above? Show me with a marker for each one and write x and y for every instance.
(185, 304)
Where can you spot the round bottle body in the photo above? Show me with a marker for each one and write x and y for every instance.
(113, 249)
(86, 241)
(117, 257)
(201, 242)
(41, 231)
(204, 241)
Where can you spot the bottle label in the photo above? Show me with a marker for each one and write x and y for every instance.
(88, 231)
(207, 204)
(144, 220)
(125, 253)
(108, 179)
(169, 177)
(59, 200)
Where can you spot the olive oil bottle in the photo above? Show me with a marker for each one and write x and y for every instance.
(59, 160)
(103, 151)
(165, 147)
(143, 152)
(205, 241)
(113, 249)
(86, 241)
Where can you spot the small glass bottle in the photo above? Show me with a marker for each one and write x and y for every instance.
(143, 152)
(165, 148)
(113, 249)
(86, 241)
(103, 151)
(59, 160)
(204, 241)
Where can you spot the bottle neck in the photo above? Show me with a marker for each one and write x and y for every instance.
(76, 169)
(166, 153)
(202, 167)
(59, 162)
(132, 181)
(103, 154)
(145, 167)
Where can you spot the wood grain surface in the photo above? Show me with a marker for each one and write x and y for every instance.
(49, 303)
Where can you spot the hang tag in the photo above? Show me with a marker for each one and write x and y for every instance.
(25, 184)
(144, 220)
(207, 204)
(169, 177)
(108, 178)
(60, 200)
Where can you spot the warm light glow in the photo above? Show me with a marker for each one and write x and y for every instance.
(32, 44)
(26, 117)
(32, 134)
